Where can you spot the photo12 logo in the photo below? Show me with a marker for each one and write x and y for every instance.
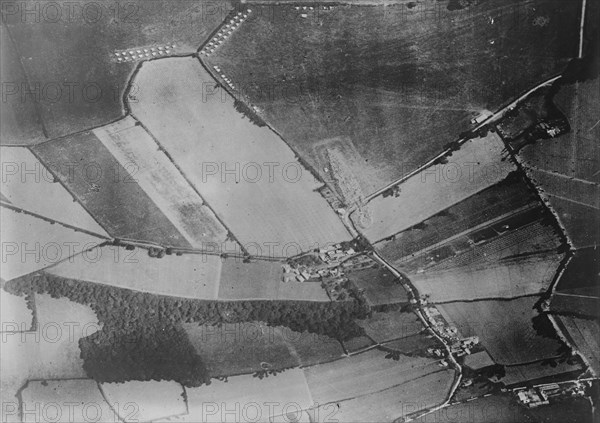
(69, 411)
(251, 172)
(60, 12)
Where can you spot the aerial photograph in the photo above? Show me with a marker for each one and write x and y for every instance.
(300, 211)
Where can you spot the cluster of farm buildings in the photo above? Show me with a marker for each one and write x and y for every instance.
(458, 346)
(542, 394)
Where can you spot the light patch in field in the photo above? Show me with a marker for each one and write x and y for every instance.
(262, 280)
(363, 374)
(69, 400)
(30, 244)
(189, 275)
(525, 276)
(15, 316)
(247, 398)
(51, 351)
(135, 150)
(145, 401)
(505, 328)
(478, 164)
(29, 185)
(245, 173)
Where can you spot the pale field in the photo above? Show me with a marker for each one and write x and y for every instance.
(200, 129)
(504, 327)
(391, 325)
(529, 372)
(31, 244)
(479, 360)
(14, 314)
(138, 153)
(262, 280)
(526, 276)
(145, 401)
(390, 404)
(52, 351)
(68, 401)
(477, 165)
(189, 275)
(362, 374)
(247, 398)
(27, 184)
(585, 335)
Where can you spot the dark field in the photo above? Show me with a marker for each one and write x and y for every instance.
(21, 123)
(397, 82)
(499, 200)
(416, 344)
(380, 286)
(567, 168)
(581, 222)
(107, 190)
(584, 334)
(391, 325)
(505, 329)
(71, 56)
(583, 272)
(241, 348)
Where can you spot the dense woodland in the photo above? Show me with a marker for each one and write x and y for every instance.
(141, 338)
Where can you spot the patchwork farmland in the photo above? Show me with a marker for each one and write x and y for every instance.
(477, 165)
(184, 195)
(283, 210)
(133, 147)
(108, 190)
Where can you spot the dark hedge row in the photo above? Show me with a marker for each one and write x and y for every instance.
(141, 338)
